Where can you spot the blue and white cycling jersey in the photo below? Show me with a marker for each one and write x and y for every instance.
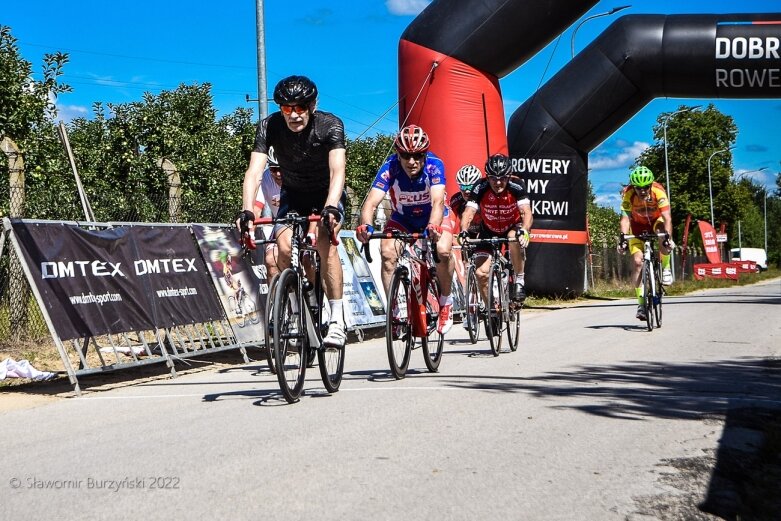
(410, 198)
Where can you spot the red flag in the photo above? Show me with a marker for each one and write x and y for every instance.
(709, 242)
(685, 246)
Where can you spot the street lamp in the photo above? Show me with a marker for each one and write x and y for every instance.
(607, 13)
(710, 184)
(667, 165)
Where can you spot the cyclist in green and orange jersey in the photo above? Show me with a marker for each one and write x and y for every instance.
(645, 208)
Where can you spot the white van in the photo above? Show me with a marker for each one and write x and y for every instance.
(757, 255)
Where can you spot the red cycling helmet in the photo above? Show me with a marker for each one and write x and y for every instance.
(411, 140)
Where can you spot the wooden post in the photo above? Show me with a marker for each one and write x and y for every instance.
(18, 292)
(174, 190)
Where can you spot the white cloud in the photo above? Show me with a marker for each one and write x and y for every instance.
(604, 158)
(68, 113)
(406, 7)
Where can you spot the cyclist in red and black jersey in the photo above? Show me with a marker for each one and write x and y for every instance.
(505, 210)
(467, 178)
(310, 148)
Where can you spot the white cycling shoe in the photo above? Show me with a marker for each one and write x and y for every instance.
(336, 336)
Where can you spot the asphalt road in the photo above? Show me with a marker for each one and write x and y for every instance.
(586, 421)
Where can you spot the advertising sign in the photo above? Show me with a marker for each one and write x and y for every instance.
(126, 278)
(241, 283)
(363, 305)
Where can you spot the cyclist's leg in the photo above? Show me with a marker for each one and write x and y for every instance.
(482, 268)
(636, 251)
(389, 250)
(445, 269)
(664, 252)
(518, 260)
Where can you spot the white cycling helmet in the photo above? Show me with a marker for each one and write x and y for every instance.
(272, 157)
(468, 175)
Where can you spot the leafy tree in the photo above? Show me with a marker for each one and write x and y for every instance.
(602, 221)
(364, 158)
(26, 113)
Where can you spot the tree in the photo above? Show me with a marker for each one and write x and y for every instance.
(27, 110)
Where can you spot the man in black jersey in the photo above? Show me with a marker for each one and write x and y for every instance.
(310, 149)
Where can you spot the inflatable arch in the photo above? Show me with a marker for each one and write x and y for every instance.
(448, 83)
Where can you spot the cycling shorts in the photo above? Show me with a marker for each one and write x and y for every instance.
(397, 222)
(636, 245)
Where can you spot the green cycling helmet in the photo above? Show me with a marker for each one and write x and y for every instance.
(641, 177)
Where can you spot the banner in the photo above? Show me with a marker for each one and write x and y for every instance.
(715, 271)
(127, 278)
(241, 283)
(709, 242)
(363, 304)
(745, 266)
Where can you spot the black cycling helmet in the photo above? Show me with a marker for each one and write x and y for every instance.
(295, 90)
(498, 165)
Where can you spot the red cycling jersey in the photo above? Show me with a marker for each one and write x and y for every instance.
(499, 211)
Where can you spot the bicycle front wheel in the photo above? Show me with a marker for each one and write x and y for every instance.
(290, 338)
(473, 299)
(398, 330)
(493, 322)
(658, 299)
(434, 343)
(513, 327)
(268, 317)
(648, 297)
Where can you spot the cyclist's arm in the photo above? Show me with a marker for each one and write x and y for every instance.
(336, 163)
(467, 216)
(373, 200)
(437, 205)
(668, 221)
(257, 165)
(623, 224)
(527, 219)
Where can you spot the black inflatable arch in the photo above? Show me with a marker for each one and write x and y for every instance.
(638, 58)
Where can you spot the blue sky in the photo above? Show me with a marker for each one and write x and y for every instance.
(119, 50)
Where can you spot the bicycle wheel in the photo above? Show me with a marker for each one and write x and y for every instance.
(473, 300)
(434, 343)
(290, 339)
(268, 317)
(658, 299)
(513, 327)
(493, 321)
(330, 359)
(398, 330)
(648, 298)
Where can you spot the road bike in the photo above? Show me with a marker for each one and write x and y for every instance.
(297, 327)
(413, 302)
(653, 290)
(502, 315)
(475, 307)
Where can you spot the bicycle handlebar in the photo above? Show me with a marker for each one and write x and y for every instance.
(248, 242)
(646, 236)
(399, 236)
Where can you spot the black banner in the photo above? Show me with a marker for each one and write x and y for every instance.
(115, 280)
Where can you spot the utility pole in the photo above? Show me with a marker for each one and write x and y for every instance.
(260, 30)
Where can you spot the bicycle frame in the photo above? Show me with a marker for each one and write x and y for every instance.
(416, 270)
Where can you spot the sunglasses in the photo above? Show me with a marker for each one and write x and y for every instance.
(416, 156)
(466, 188)
(289, 109)
(499, 177)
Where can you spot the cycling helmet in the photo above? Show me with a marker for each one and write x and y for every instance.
(468, 175)
(272, 158)
(498, 165)
(411, 140)
(295, 90)
(641, 177)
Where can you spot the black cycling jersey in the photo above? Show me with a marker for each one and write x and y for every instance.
(302, 156)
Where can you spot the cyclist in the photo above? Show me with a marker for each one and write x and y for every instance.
(267, 205)
(645, 208)
(505, 211)
(310, 149)
(415, 178)
(466, 177)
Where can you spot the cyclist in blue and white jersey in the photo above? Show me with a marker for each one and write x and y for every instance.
(414, 179)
